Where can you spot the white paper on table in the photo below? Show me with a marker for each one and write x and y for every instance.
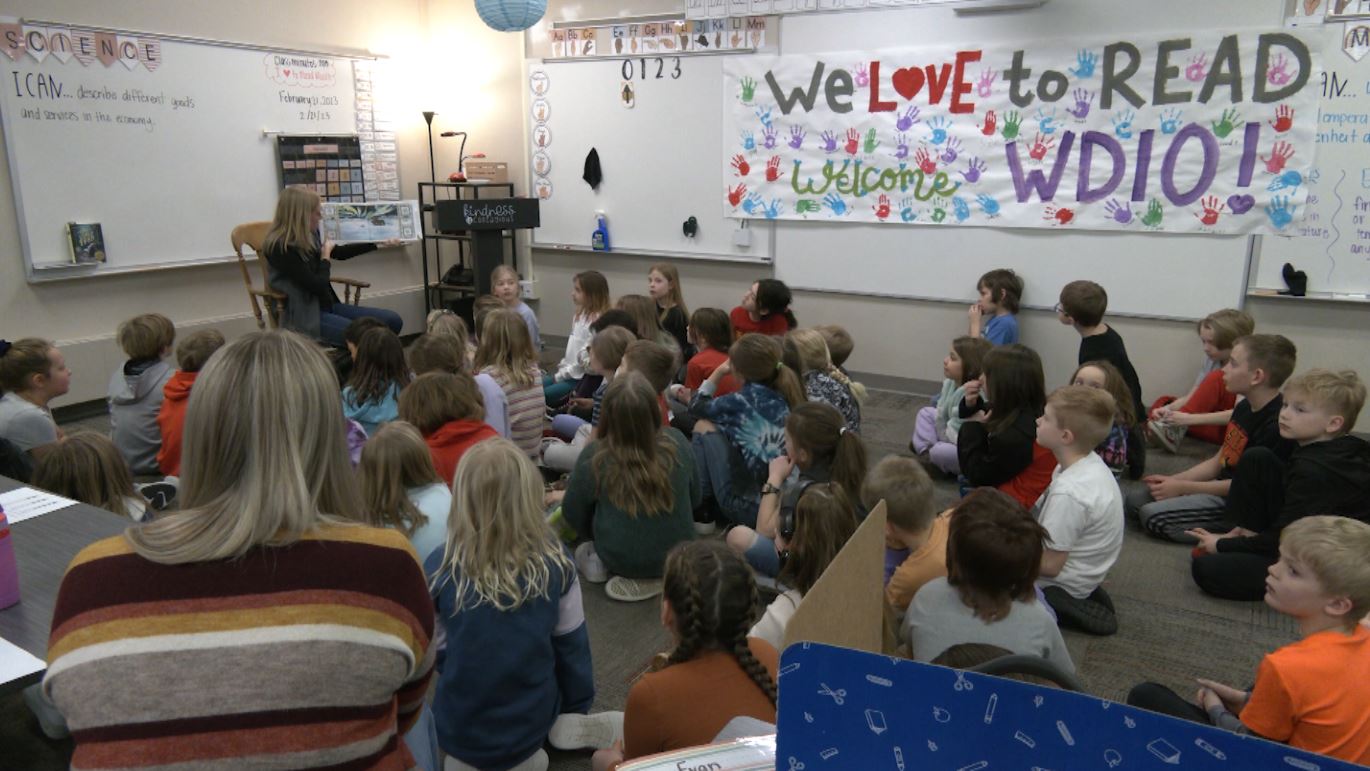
(15, 662)
(27, 503)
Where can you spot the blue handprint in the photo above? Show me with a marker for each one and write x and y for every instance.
(1122, 123)
(748, 142)
(987, 205)
(835, 202)
(768, 138)
(960, 209)
(763, 114)
(752, 204)
(1170, 121)
(829, 142)
(796, 137)
(906, 121)
(1046, 121)
(906, 212)
(1084, 64)
(938, 126)
(773, 209)
(1280, 212)
(1289, 179)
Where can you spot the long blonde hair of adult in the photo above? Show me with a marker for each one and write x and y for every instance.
(633, 457)
(677, 296)
(264, 456)
(394, 460)
(499, 548)
(506, 347)
(87, 467)
(814, 355)
(291, 227)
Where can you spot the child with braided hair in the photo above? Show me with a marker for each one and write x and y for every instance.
(715, 673)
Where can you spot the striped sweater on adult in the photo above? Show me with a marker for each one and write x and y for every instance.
(527, 409)
(304, 655)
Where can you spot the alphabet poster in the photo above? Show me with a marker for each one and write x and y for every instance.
(1202, 133)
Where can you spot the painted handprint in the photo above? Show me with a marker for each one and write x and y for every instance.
(1046, 120)
(906, 212)
(735, 194)
(741, 166)
(797, 135)
(773, 168)
(835, 203)
(950, 152)
(1279, 156)
(748, 141)
(1040, 146)
(1279, 73)
(1119, 212)
(752, 204)
(938, 127)
(763, 114)
(985, 86)
(1154, 214)
(960, 209)
(1170, 121)
(925, 161)
(1212, 209)
(1084, 64)
(853, 141)
(1280, 212)
(974, 168)
(1083, 101)
(748, 89)
(1122, 124)
(768, 138)
(863, 78)
(807, 206)
(1284, 119)
(1197, 69)
(882, 207)
(901, 146)
(871, 142)
(1286, 181)
(829, 142)
(1226, 122)
(988, 205)
(939, 209)
(773, 209)
(990, 120)
(905, 122)
(1060, 214)
(1011, 123)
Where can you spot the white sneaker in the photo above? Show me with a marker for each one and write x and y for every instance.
(589, 564)
(586, 732)
(705, 528)
(633, 589)
(1168, 434)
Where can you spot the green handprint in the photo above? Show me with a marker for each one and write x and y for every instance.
(1152, 218)
(939, 209)
(871, 142)
(806, 205)
(1224, 125)
(1011, 123)
(748, 89)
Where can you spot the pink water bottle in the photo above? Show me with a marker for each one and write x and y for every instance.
(9, 567)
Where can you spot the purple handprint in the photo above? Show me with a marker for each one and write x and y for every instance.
(985, 86)
(1279, 73)
(901, 146)
(973, 170)
(863, 78)
(949, 152)
(1083, 100)
(829, 142)
(768, 138)
(1197, 69)
(796, 137)
(1120, 213)
(906, 121)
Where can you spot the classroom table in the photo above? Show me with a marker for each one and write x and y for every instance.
(44, 545)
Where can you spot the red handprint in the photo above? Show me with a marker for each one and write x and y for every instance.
(991, 123)
(740, 164)
(735, 194)
(1279, 156)
(925, 161)
(1062, 215)
(1284, 118)
(773, 168)
(1039, 147)
(882, 206)
(853, 141)
(1212, 209)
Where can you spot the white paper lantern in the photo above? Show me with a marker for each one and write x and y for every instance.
(510, 15)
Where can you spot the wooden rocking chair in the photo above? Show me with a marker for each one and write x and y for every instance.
(252, 234)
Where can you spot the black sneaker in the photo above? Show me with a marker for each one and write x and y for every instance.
(1092, 615)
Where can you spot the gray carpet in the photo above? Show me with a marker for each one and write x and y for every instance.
(1168, 631)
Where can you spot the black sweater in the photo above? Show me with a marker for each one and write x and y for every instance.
(309, 272)
(989, 460)
(1108, 346)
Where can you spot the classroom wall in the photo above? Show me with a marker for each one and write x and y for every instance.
(444, 59)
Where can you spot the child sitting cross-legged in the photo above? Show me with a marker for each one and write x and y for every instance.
(1309, 694)
(1082, 510)
(447, 411)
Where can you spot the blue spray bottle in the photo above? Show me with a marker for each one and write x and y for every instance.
(599, 237)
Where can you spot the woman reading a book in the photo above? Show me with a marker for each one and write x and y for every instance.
(299, 267)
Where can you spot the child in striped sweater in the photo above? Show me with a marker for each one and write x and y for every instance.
(507, 355)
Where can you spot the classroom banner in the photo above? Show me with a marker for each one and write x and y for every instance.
(1204, 133)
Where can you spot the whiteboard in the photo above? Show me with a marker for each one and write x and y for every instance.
(168, 159)
(1333, 243)
(656, 158)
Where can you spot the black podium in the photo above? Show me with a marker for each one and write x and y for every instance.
(485, 219)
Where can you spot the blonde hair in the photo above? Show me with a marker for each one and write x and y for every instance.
(145, 336)
(22, 360)
(1227, 325)
(840, 342)
(445, 323)
(812, 348)
(1340, 393)
(1086, 412)
(608, 346)
(435, 352)
(292, 226)
(87, 467)
(435, 399)
(1334, 549)
(394, 460)
(264, 459)
(507, 348)
(502, 271)
(485, 305)
(677, 297)
(633, 458)
(906, 489)
(499, 548)
(196, 348)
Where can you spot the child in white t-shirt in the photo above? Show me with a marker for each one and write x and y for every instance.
(1082, 510)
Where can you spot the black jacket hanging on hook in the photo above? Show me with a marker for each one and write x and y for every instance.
(592, 175)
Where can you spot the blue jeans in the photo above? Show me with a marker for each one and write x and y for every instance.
(763, 557)
(725, 480)
(333, 323)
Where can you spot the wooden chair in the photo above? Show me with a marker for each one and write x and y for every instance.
(252, 234)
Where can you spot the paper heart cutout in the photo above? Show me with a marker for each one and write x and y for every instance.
(286, 73)
(1240, 204)
(907, 81)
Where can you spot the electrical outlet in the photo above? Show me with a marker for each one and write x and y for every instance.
(528, 290)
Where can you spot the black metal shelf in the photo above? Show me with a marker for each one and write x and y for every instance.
(434, 265)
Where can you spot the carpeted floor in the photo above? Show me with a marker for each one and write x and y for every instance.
(1168, 631)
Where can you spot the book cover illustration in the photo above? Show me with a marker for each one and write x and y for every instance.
(87, 243)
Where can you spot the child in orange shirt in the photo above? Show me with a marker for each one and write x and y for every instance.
(1310, 694)
(915, 534)
(446, 408)
(191, 354)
